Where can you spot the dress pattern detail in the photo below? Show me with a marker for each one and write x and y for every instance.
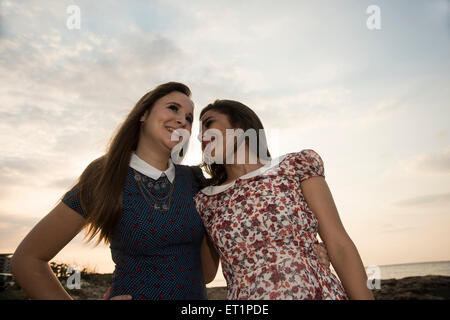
(156, 252)
(264, 232)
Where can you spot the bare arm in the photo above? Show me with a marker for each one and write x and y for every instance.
(342, 252)
(210, 259)
(29, 264)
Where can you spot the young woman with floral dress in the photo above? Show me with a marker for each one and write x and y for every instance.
(264, 218)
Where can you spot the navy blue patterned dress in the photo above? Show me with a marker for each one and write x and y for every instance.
(156, 253)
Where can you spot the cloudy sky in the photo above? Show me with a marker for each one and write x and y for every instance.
(373, 103)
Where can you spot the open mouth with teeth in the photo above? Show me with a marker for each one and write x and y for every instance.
(174, 134)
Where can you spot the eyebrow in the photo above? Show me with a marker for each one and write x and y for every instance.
(204, 120)
(176, 103)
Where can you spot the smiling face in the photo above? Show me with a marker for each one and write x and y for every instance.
(213, 119)
(247, 138)
(171, 112)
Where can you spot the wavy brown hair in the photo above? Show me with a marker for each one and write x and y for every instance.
(242, 117)
(102, 182)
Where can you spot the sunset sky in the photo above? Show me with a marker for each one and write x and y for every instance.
(373, 103)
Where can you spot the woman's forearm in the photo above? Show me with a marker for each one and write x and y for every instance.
(37, 279)
(350, 269)
(210, 259)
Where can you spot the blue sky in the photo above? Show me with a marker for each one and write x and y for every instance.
(373, 103)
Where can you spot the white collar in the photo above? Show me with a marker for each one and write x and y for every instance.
(150, 171)
(212, 190)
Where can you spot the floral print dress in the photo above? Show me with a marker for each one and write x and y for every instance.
(264, 232)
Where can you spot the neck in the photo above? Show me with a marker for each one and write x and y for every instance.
(152, 156)
(234, 171)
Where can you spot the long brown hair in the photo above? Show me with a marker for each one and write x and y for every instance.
(101, 184)
(242, 117)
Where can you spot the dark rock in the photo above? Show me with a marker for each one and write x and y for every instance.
(414, 288)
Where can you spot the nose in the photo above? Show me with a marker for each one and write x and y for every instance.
(181, 122)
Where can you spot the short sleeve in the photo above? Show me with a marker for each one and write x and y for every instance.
(308, 164)
(72, 200)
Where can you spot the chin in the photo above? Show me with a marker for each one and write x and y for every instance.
(170, 145)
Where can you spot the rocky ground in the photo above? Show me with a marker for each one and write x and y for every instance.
(414, 288)
(93, 286)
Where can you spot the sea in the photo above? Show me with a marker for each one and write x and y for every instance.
(398, 271)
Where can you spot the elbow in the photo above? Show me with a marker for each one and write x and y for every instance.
(20, 262)
(17, 263)
(338, 248)
(210, 271)
(14, 264)
(210, 275)
(210, 278)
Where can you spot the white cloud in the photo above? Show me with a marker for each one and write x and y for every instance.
(432, 199)
(430, 163)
